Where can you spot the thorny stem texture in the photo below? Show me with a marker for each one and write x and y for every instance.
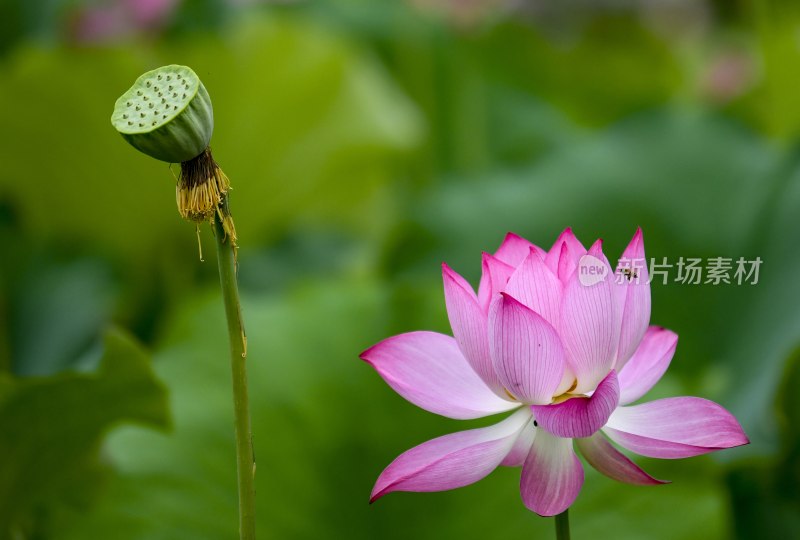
(246, 465)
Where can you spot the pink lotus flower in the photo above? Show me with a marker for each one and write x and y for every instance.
(567, 356)
(122, 18)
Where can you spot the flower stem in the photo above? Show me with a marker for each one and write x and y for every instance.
(246, 465)
(562, 525)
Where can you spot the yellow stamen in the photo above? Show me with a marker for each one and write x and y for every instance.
(201, 193)
(568, 394)
(200, 188)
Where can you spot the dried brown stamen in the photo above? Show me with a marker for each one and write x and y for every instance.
(202, 192)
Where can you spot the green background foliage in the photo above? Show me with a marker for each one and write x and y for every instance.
(367, 142)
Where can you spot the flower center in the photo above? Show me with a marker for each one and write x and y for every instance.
(567, 395)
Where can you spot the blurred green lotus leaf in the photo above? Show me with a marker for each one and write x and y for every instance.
(52, 427)
(764, 489)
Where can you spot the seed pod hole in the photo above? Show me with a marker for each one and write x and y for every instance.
(171, 123)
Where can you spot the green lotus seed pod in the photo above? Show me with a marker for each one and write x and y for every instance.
(166, 114)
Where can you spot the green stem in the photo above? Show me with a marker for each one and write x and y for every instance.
(246, 465)
(562, 525)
